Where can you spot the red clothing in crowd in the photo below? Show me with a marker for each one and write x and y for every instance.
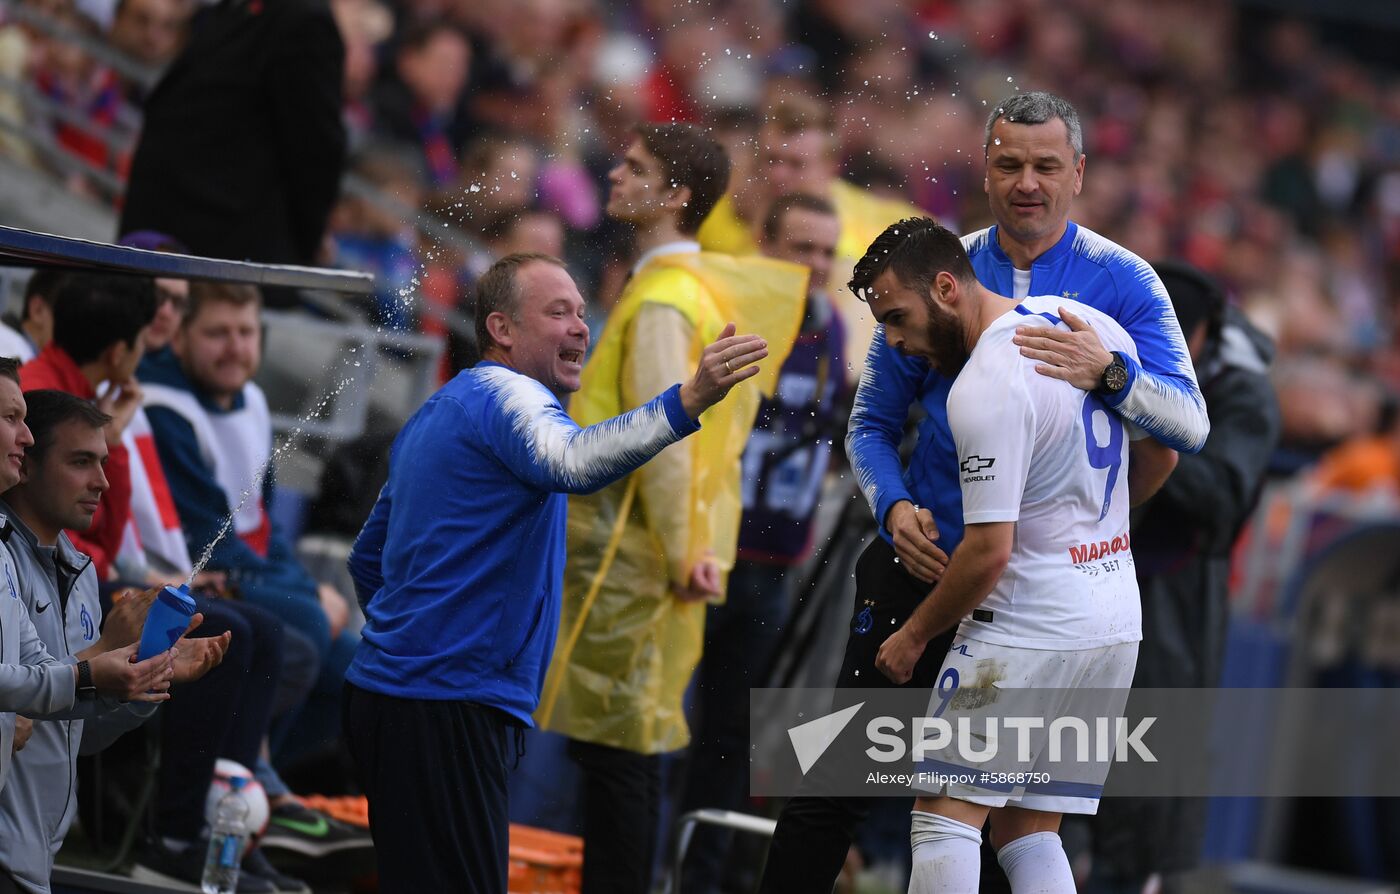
(53, 368)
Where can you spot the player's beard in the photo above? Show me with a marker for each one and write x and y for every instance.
(947, 339)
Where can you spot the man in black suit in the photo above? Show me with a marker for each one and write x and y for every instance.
(243, 145)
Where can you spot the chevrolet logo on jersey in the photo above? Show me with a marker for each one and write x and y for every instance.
(976, 463)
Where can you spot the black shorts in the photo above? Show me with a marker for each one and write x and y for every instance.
(886, 595)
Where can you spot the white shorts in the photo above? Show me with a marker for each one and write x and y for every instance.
(1044, 758)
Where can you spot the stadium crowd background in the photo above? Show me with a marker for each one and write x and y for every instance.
(1261, 148)
(1223, 134)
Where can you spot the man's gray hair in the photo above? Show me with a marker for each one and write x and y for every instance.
(1037, 107)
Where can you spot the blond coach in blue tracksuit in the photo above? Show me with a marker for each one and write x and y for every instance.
(460, 569)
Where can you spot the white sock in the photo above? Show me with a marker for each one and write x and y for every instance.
(1036, 864)
(947, 855)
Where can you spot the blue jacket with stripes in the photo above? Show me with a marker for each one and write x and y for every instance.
(1161, 397)
(460, 566)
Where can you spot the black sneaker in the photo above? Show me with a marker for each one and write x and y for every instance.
(158, 864)
(257, 864)
(294, 827)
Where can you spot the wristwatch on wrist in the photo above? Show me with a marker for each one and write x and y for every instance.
(1114, 377)
(86, 689)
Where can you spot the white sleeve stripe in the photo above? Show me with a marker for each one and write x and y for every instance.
(1175, 416)
(866, 474)
(1167, 406)
(579, 458)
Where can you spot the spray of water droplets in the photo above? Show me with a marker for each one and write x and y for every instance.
(288, 441)
(407, 297)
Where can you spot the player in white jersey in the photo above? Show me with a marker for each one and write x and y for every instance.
(1042, 582)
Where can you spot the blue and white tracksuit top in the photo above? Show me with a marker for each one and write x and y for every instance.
(460, 566)
(1161, 397)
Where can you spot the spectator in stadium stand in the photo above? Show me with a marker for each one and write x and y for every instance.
(364, 25)
(784, 467)
(62, 476)
(643, 559)
(365, 236)
(99, 336)
(499, 173)
(23, 337)
(149, 31)
(523, 231)
(421, 105)
(798, 152)
(748, 197)
(515, 230)
(83, 98)
(269, 668)
(1366, 464)
(1034, 167)
(497, 176)
(213, 435)
(1182, 544)
(242, 145)
(459, 568)
(231, 705)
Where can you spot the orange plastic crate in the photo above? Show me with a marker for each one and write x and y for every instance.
(352, 809)
(543, 862)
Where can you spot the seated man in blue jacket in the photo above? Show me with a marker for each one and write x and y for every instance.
(460, 570)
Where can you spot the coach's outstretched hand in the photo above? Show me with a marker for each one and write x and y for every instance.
(727, 361)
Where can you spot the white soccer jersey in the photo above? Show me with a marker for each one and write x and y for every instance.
(1053, 459)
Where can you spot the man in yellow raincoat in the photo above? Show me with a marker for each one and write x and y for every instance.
(798, 153)
(646, 553)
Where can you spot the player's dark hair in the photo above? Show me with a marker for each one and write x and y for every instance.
(916, 249)
(9, 369)
(691, 158)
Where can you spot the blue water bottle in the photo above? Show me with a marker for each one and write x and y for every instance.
(169, 616)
